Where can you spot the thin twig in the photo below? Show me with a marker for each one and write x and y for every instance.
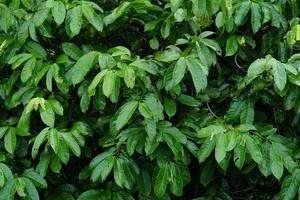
(237, 64)
(208, 107)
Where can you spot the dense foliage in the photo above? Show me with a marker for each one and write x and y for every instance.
(149, 99)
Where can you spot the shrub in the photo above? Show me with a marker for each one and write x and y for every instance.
(149, 99)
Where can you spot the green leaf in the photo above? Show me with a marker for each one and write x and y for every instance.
(276, 161)
(144, 182)
(58, 12)
(255, 17)
(188, 100)
(92, 17)
(241, 12)
(239, 156)
(280, 76)
(103, 169)
(72, 144)
(89, 195)
(129, 77)
(19, 59)
(77, 73)
(53, 139)
(166, 28)
(109, 83)
(27, 70)
(72, 50)
(39, 140)
(176, 184)
(36, 50)
(56, 106)
(124, 113)
(254, 148)
(161, 180)
(116, 13)
(119, 173)
(170, 107)
(47, 115)
(290, 186)
(40, 16)
(35, 178)
(179, 71)
(98, 79)
(30, 189)
(210, 131)
(247, 112)
(75, 20)
(196, 69)
(10, 140)
(255, 69)
(232, 45)
(220, 150)
(206, 148)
